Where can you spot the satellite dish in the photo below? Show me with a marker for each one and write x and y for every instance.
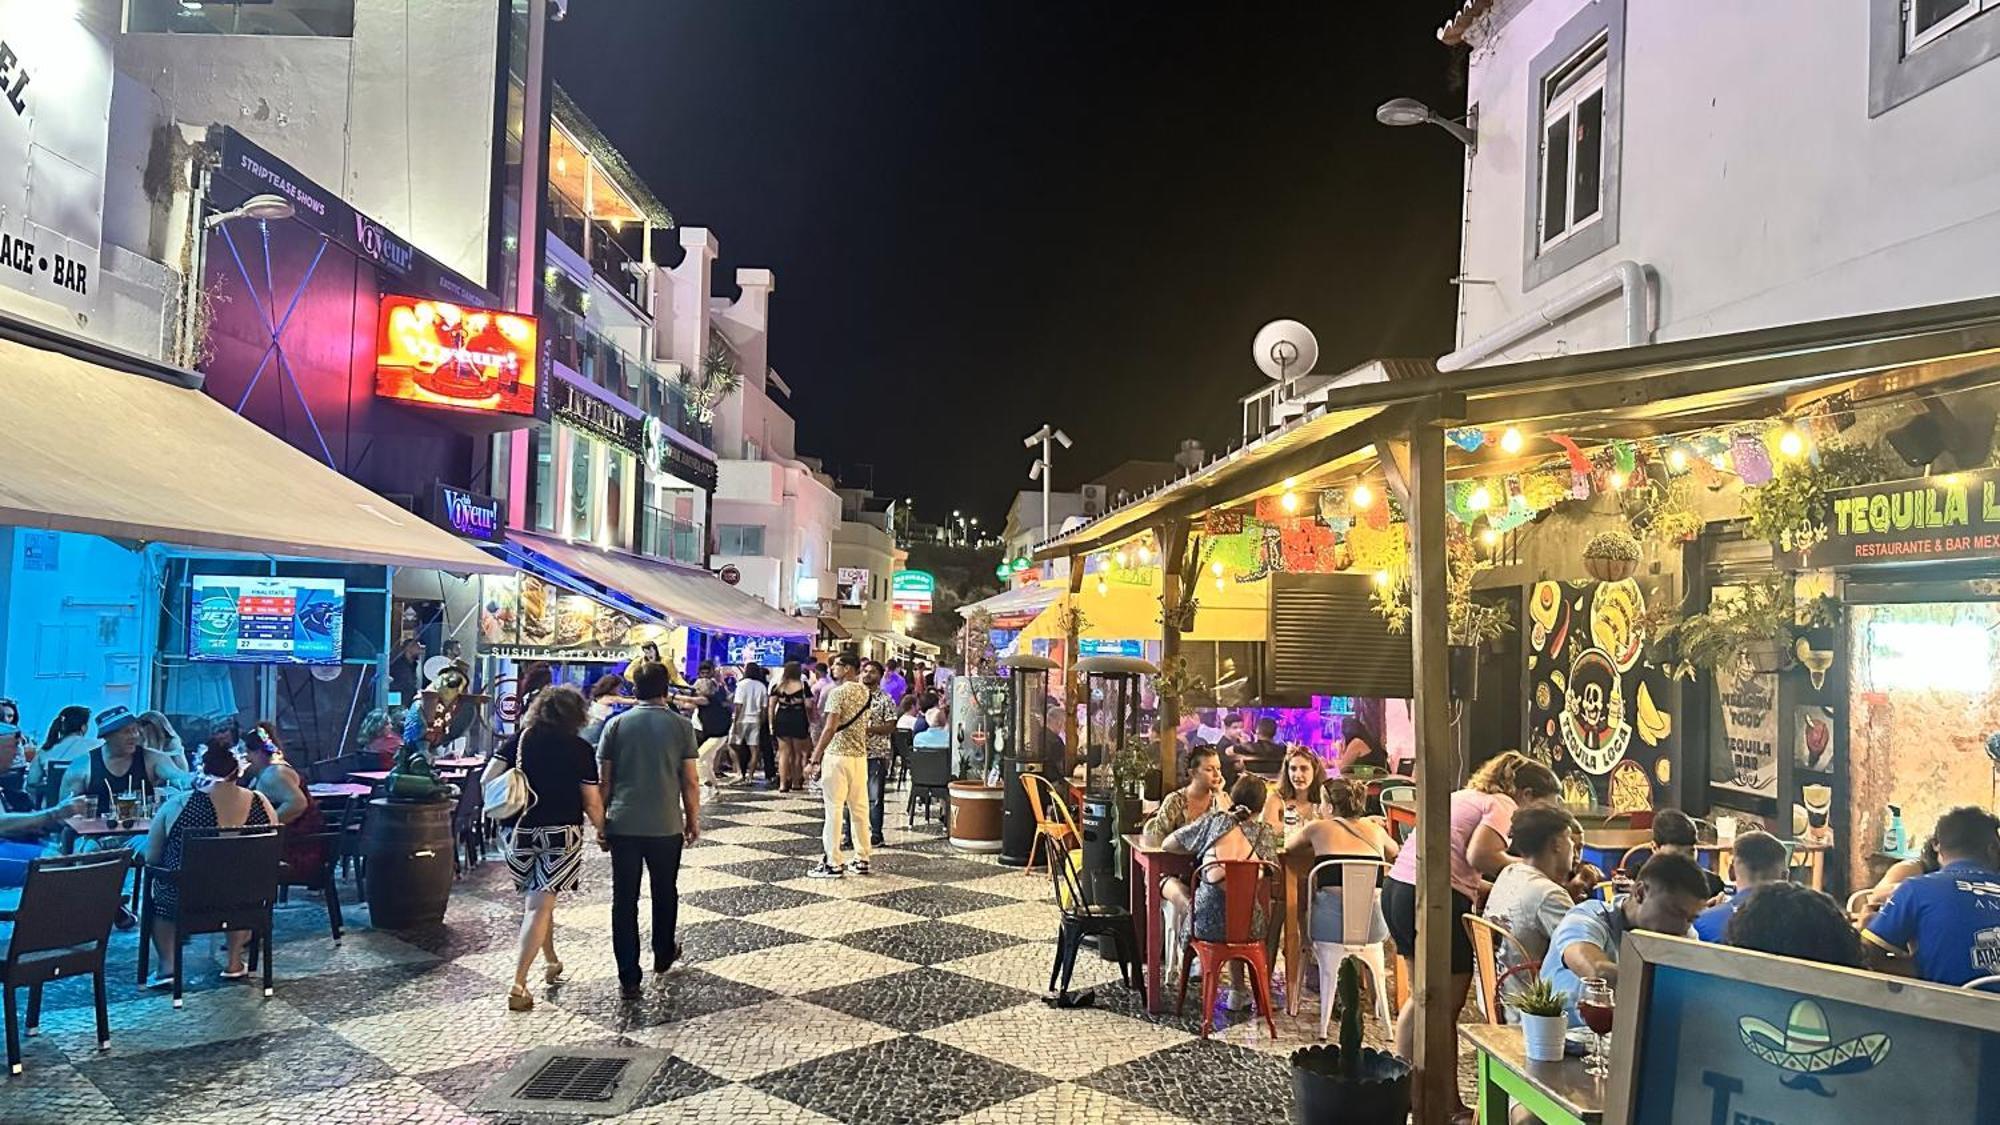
(1285, 349)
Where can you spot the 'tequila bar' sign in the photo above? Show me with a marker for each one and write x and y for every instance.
(1928, 519)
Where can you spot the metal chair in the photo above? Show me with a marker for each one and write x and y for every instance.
(62, 929)
(1643, 852)
(1245, 885)
(228, 880)
(900, 744)
(1053, 822)
(323, 877)
(468, 826)
(1081, 917)
(1487, 936)
(1359, 884)
(930, 779)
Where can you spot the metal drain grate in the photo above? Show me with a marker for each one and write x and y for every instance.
(574, 1078)
(585, 1081)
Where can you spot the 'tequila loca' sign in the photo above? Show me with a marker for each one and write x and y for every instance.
(1928, 519)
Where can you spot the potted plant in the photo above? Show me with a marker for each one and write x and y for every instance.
(1611, 556)
(1790, 510)
(1470, 624)
(1347, 1082)
(1544, 1013)
(1753, 627)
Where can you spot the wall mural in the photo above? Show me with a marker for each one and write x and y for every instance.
(1594, 703)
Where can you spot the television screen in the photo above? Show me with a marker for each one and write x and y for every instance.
(768, 651)
(262, 620)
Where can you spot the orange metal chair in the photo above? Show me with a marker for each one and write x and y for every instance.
(1053, 821)
(1487, 937)
(1642, 853)
(1245, 884)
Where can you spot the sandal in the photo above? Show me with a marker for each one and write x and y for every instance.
(519, 999)
(553, 972)
(239, 974)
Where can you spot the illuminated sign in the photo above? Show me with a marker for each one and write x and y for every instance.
(467, 513)
(571, 404)
(912, 590)
(1927, 519)
(440, 354)
(851, 586)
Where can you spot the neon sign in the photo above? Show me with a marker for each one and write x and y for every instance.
(441, 354)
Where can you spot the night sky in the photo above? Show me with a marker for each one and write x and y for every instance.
(985, 215)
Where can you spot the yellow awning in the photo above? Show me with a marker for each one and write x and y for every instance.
(1239, 611)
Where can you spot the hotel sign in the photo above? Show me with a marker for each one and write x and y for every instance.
(1927, 519)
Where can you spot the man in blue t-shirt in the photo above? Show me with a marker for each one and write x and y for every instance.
(1757, 858)
(1951, 916)
(1665, 898)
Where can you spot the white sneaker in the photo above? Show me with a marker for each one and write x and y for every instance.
(825, 870)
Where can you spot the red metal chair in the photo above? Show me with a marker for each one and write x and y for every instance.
(1245, 885)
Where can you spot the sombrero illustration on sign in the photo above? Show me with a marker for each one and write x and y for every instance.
(1805, 1048)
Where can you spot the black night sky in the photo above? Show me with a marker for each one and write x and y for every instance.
(987, 214)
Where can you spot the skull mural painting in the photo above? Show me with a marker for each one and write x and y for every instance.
(1591, 693)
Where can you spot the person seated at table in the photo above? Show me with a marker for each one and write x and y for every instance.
(14, 795)
(1232, 831)
(222, 804)
(1584, 876)
(270, 774)
(1952, 916)
(1758, 859)
(1301, 789)
(158, 734)
(120, 766)
(1263, 756)
(1341, 829)
(1665, 898)
(68, 740)
(381, 735)
(1793, 921)
(21, 822)
(1674, 834)
(1360, 749)
(1923, 863)
(1528, 897)
(1190, 802)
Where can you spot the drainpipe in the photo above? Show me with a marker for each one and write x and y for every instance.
(1629, 279)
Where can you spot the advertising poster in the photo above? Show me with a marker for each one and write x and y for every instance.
(266, 620)
(523, 617)
(1749, 702)
(440, 354)
(851, 586)
(1597, 711)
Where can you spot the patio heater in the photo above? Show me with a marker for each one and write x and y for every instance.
(1023, 751)
(1111, 693)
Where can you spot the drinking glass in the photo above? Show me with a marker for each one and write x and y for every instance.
(1596, 1005)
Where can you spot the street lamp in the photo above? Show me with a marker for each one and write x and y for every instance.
(1042, 470)
(1410, 111)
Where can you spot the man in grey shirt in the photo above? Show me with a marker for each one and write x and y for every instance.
(652, 808)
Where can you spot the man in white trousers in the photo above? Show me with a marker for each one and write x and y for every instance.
(841, 757)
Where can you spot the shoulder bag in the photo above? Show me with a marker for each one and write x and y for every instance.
(508, 795)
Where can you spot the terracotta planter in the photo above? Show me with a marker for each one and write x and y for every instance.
(976, 816)
(1610, 570)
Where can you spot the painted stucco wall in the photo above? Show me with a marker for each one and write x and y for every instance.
(1754, 180)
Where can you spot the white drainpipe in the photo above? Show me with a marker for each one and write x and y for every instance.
(1628, 278)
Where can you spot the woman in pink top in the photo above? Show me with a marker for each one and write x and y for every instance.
(1481, 814)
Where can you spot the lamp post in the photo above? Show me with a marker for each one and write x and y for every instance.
(1042, 469)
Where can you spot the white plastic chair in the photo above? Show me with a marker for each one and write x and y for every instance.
(1360, 890)
(1983, 984)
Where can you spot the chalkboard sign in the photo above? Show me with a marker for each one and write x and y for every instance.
(1709, 1035)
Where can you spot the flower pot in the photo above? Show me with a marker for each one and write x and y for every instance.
(1322, 1095)
(1544, 1035)
(1610, 570)
(976, 819)
(1767, 655)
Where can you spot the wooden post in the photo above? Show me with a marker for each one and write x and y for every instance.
(1437, 773)
(1173, 546)
(1070, 693)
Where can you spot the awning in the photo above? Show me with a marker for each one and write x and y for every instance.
(832, 629)
(131, 454)
(680, 594)
(1240, 611)
(1021, 601)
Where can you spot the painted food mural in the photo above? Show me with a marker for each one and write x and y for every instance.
(1595, 711)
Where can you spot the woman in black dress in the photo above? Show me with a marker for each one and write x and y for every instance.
(544, 845)
(223, 804)
(791, 724)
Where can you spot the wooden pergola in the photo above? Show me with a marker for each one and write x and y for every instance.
(1394, 429)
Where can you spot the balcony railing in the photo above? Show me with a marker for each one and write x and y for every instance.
(581, 348)
(663, 535)
(601, 244)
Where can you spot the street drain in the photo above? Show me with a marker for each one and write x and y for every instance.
(598, 1082)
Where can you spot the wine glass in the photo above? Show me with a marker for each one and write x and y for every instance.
(1595, 1005)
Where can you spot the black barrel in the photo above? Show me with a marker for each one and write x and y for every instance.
(1017, 831)
(408, 850)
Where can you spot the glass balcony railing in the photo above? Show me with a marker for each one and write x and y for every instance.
(584, 350)
(601, 244)
(666, 536)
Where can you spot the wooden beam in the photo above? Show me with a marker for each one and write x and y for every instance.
(1173, 535)
(1437, 775)
(1071, 696)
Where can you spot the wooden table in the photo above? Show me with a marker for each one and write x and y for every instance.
(1810, 857)
(339, 789)
(1146, 868)
(369, 777)
(459, 764)
(1606, 846)
(1402, 813)
(95, 828)
(1559, 1093)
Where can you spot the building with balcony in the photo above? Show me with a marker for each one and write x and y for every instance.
(865, 557)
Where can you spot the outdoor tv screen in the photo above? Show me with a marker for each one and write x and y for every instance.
(258, 620)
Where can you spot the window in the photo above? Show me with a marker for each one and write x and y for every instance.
(1914, 45)
(1576, 87)
(320, 18)
(739, 539)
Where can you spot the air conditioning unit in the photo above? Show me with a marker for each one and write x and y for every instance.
(1093, 499)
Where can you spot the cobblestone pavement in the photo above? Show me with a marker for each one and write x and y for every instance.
(912, 996)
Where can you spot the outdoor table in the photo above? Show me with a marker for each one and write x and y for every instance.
(1606, 846)
(339, 789)
(1559, 1093)
(1811, 857)
(369, 776)
(95, 828)
(1146, 868)
(459, 764)
(1402, 813)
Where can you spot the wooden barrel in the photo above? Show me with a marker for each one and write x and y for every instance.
(976, 816)
(408, 850)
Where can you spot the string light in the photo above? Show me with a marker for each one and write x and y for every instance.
(1215, 568)
(1218, 585)
(1510, 441)
(1617, 480)
(1103, 587)
(1480, 499)
(1677, 459)
(1791, 443)
(1363, 497)
(1123, 559)
(1381, 578)
(1291, 483)
(1489, 537)
(1290, 501)
(1145, 554)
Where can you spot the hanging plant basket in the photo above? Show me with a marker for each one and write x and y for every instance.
(1765, 655)
(1611, 556)
(1610, 570)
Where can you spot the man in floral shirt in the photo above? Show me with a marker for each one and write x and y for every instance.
(882, 711)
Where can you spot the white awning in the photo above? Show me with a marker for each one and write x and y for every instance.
(99, 451)
(682, 594)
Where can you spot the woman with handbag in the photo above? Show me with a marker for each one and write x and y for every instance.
(541, 786)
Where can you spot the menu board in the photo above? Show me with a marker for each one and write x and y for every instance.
(266, 619)
(524, 617)
(1724, 1035)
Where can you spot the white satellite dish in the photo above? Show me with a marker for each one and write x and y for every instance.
(1285, 349)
